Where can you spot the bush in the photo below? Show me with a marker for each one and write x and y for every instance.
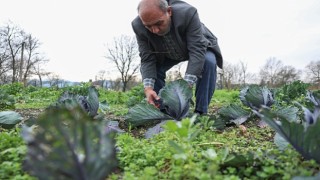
(136, 95)
(7, 101)
(290, 92)
(13, 89)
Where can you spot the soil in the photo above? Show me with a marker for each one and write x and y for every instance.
(29, 113)
(34, 113)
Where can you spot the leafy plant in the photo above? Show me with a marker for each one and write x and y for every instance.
(303, 137)
(14, 88)
(141, 114)
(234, 113)
(67, 144)
(186, 130)
(81, 89)
(89, 103)
(314, 97)
(175, 104)
(136, 95)
(224, 97)
(176, 98)
(8, 119)
(292, 91)
(6, 101)
(12, 152)
(289, 112)
(255, 96)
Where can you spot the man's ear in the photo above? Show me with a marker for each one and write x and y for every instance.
(169, 10)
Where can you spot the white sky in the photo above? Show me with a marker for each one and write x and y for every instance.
(74, 33)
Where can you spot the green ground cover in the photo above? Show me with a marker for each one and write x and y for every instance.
(189, 151)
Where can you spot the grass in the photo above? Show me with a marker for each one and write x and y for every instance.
(234, 153)
(204, 157)
(224, 97)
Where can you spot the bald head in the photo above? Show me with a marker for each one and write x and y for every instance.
(147, 5)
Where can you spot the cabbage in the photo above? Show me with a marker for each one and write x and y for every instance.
(255, 96)
(175, 104)
(303, 137)
(234, 113)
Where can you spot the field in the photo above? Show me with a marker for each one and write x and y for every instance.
(214, 146)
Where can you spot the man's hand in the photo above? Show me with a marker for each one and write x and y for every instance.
(151, 95)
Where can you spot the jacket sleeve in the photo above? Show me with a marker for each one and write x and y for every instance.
(196, 44)
(148, 59)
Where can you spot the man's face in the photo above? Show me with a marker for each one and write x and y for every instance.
(156, 21)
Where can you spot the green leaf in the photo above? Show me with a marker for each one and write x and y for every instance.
(210, 154)
(113, 126)
(234, 113)
(255, 96)
(176, 102)
(8, 119)
(289, 112)
(155, 130)
(142, 113)
(89, 103)
(171, 126)
(314, 97)
(238, 160)
(315, 177)
(104, 106)
(176, 98)
(305, 139)
(68, 144)
(176, 147)
(93, 101)
(280, 142)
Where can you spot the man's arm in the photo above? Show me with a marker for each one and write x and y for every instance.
(196, 44)
(148, 61)
(191, 79)
(151, 95)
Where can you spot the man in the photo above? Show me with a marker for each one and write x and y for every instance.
(169, 32)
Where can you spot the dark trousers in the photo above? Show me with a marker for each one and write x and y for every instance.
(205, 85)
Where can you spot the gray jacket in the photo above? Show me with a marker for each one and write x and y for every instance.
(192, 36)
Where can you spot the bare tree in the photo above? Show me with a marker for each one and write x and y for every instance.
(19, 52)
(287, 74)
(39, 71)
(115, 84)
(101, 75)
(124, 53)
(100, 78)
(268, 73)
(230, 75)
(13, 39)
(54, 79)
(31, 46)
(243, 72)
(245, 77)
(313, 72)
(4, 60)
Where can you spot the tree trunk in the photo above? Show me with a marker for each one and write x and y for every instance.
(21, 64)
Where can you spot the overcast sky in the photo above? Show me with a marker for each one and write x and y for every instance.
(74, 33)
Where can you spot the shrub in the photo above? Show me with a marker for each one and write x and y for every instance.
(6, 101)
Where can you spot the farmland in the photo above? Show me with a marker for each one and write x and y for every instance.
(231, 142)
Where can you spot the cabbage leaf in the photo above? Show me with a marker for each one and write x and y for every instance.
(67, 144)
(303, 137)
(175, 97)
(234, 113)
(8, 119)
(255, 96)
